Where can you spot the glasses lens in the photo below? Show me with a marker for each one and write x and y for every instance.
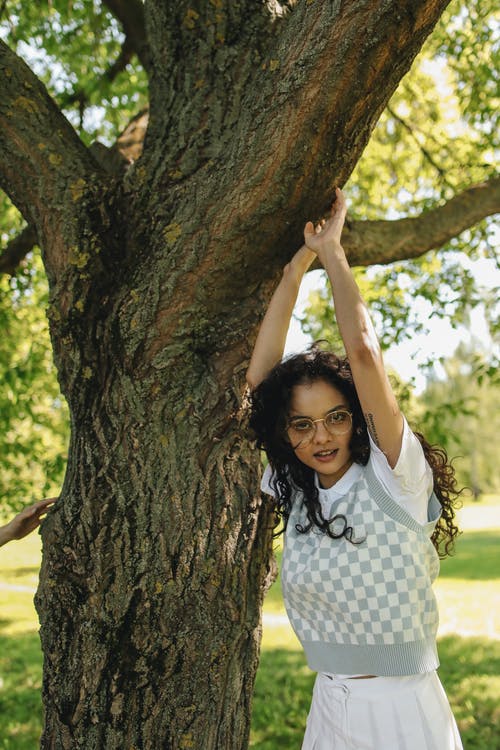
(338, 422)
(300, 432)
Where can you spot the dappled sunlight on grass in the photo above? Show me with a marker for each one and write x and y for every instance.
(17, 612)
(476, 558)
(20, 686)
(468, 607)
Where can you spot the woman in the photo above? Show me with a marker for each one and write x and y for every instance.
(365, 504)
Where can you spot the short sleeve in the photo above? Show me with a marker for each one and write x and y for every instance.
(265, 482)
(410, 483)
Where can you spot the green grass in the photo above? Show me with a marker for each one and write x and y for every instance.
(470, 673)
(468, 591)
(20, 685)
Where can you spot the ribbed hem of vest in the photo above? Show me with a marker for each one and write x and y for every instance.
(385, 660)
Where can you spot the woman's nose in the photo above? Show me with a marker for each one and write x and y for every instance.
(321, 435)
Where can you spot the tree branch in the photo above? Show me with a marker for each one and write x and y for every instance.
(272, 105)
(204, 58)
(16, 250)
(45, 168)
(369, 242)
(130, 13)
(425, 152)
(304, 121)
(306, 94)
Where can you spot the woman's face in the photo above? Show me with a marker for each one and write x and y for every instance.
(328, 454)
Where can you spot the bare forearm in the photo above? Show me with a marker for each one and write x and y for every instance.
(270, 343)
(353, 318)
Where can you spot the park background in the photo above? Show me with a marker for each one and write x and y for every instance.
(418, 156)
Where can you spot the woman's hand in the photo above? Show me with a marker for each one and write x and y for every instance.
(26, 521)
(326, 236)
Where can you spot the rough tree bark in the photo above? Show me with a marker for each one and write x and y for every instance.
(157, 554)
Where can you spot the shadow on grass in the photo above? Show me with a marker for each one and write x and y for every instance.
(20, 686)
(23, 572)
(470, 672)
(477, 558)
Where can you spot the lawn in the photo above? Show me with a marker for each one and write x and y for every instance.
(469, 595)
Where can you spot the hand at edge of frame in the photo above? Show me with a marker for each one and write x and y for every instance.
(26, 520)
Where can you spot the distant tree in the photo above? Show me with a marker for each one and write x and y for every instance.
(161, 250)
(461, 411)
(34, 427)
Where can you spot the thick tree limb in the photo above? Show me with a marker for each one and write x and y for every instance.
(300, 125)
(368, 242)
(299, 118)
(45, 168)
(204, 58)
(130, 13)
(325, 98)
(16, 250)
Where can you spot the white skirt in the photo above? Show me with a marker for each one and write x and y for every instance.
(381, 713)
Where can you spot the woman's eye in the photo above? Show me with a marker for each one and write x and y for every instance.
(301, 426)
(337, 417)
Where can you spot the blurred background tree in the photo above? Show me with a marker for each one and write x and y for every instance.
(461, 411)
(33, 416)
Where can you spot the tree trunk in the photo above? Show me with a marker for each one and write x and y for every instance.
(152, 583)
(156, 559)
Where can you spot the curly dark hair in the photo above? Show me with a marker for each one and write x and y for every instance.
(270, 404)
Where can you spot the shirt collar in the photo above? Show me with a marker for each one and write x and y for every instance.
(343, 485)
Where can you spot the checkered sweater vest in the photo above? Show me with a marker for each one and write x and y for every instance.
(364, 608)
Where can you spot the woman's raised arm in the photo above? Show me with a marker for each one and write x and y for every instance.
(270, 343)
(378, 402)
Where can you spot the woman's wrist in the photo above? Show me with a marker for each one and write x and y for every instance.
(300, 263)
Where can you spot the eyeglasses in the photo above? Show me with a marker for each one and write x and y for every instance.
(301, 430)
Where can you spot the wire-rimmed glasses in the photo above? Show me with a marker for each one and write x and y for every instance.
(301, 430)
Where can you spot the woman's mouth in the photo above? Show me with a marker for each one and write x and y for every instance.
(326, 455)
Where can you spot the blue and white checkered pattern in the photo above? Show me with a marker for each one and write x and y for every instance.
(374, 594)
